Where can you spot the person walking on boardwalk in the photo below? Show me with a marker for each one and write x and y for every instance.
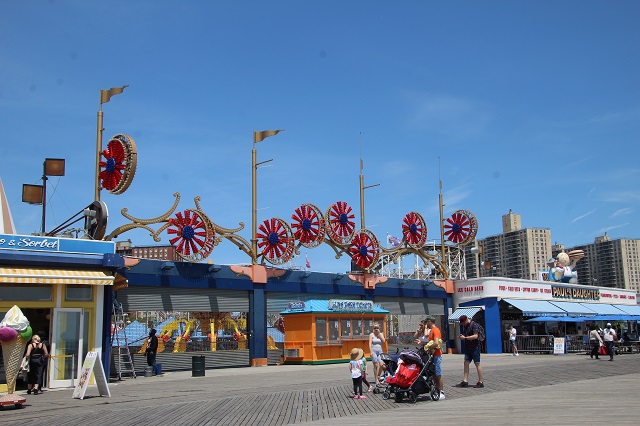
(609, 335)
(512, 340)
(596, 341)
(470, 333)
(356, 369)
(37, 355)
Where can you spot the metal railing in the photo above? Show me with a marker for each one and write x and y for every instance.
(531, 344)
(574, 343)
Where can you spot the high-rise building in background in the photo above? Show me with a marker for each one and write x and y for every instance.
(525, 253)
(608, 263)
(516, 253)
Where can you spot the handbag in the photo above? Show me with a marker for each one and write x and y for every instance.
(24, 364)
(602, 350)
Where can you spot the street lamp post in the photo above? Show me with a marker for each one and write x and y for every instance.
(257, 137)
(362, 188)
(37, 194)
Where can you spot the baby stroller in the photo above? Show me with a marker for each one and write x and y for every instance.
(414, 376)
(390, 367)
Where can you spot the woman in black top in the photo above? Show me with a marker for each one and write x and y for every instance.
(37, 355)
(152, 349)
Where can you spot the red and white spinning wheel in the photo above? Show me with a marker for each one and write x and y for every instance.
(119, 165)
(308, 225)
(195, 235)
(414, 230)
(365, 249)
(276, 240)
(339, 223)
(461, 228)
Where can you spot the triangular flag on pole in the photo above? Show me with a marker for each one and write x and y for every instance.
(260, 136)
(105, 95)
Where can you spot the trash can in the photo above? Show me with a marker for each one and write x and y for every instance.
(197, 366)
(148, 371)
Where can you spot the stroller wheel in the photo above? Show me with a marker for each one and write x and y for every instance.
(413, 397)
(398, 397)
(386, 394)
(375, 390)
(435, 393)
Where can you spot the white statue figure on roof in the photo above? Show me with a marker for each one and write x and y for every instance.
(562, 268)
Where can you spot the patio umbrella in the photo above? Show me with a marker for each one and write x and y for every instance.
(543, 319)
(574, 319)
(614, 318)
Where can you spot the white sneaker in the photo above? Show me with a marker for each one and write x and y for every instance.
(517, 354)
(441, 395)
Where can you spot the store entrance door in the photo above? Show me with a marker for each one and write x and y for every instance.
(68, 344)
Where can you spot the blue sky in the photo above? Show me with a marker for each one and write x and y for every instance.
(528, 106)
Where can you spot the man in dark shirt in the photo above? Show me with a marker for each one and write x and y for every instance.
(152, 349)
(469, 333)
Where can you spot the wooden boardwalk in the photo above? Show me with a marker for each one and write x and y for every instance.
(286, 395)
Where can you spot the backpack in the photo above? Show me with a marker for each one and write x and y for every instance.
(481, 335)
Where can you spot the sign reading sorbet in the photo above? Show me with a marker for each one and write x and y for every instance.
(55, 244)
(351, 305)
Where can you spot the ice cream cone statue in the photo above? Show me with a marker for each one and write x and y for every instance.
(15, 332)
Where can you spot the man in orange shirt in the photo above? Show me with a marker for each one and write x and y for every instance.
(435, 344)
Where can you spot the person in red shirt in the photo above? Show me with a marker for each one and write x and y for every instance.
(435, 345)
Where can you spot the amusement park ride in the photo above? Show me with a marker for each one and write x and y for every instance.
(275, 241)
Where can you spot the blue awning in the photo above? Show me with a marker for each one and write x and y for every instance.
(629, 309)
(470, 312)
(574, 309)
(603, 308)
(534, 308)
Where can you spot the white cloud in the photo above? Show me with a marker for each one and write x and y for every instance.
(448, 115)
(622, 212)
(583, 216)
(610, 228)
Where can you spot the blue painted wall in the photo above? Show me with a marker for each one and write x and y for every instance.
(492, 326)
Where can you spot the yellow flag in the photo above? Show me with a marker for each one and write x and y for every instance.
(260, 136)
(105, 95)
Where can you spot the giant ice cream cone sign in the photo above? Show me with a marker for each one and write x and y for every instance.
(15, 332)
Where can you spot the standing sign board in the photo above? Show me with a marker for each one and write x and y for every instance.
(90, 365)
(558, 345)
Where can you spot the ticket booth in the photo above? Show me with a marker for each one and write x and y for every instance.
(325, 331)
